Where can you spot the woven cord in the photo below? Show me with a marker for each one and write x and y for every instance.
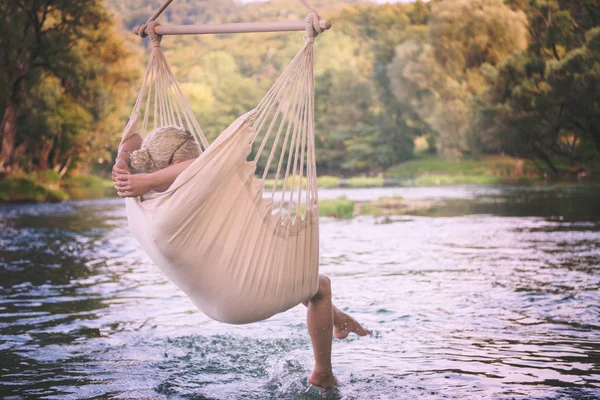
(284, 128)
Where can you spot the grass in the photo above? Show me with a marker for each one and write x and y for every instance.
(492, 165)
(444, 180)
(337, 208)
(88, 187)
(22, 189)
(325, 181)
(370, 209)
(424, 171)
(328, 182)
(594, 166)
(48, 187)
(270, 182)
(365, 181)
(433, 171)
(438, 180)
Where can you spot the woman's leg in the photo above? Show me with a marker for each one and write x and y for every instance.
(323, 318)
(319, 320)
(343, 325)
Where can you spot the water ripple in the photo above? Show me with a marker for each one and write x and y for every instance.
(494, 296)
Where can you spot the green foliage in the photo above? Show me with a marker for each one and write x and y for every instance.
(447, 180)
(67, 73)
(545, 104)
(491, 166)
(365, 181)
(22, 189)
(322, 181)
(269, 183)
(473, 77)
(88, 187)
(369, 209)
(48, 186)
(433, 171)
(337, 208)
(391, 198)
(442, 77)
(224, 76)
(328, 182)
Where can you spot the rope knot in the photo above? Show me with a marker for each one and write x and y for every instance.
(313, 26)
(142, 31)
(152, 33)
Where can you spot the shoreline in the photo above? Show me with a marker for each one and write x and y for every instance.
(86, 188)
(22, 189)
(422, 171)
(47, 188)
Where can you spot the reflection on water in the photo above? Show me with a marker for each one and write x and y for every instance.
(494, 295)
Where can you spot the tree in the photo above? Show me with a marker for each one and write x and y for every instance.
(66, 70)
(545, 104)
(346, 102)
(441, 78)
(357, 115)
(385, 134)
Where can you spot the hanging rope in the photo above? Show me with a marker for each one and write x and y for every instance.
(160, 10)
(308, 7)
(160, 101)
(284, 128)
(283, 140)
(316, 18)
(239, 255)
(142, 29)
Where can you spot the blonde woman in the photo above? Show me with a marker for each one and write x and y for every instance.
(159, 159)
(164, 147)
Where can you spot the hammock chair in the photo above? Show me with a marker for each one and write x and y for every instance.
(241, 255)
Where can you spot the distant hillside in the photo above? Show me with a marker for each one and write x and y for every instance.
(136, 12)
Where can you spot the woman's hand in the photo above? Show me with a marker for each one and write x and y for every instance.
(133, 185)
(120, 168)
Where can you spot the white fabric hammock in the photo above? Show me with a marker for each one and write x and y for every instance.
(239, 255)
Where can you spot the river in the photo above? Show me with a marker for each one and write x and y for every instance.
(493, 295)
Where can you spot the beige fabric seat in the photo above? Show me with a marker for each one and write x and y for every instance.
(239, 254)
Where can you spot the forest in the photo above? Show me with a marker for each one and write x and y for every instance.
(448, 79)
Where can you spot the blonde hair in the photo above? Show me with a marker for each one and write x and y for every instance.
(163, 146)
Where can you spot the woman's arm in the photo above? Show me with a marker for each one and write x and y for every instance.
(134, 142)
(135, 185)
(162, 179)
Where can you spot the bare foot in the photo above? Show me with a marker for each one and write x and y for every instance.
(344, 324)
(325, 380)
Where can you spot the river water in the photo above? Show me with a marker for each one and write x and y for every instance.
(494, 295)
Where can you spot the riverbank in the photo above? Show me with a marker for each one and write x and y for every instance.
(343, 208)
(423, 171)
(489, 170)
(42, 189)
(434, 171)
(49, 188)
